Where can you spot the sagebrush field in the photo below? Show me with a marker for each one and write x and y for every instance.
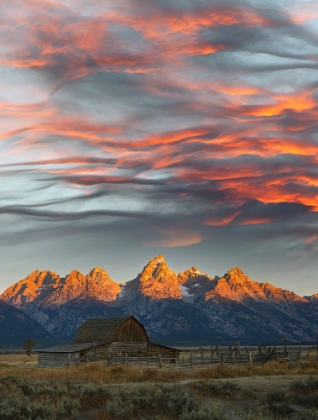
(97, 392)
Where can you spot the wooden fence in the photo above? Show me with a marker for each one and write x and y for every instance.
(191, 357)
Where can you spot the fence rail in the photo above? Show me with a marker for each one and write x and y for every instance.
(191, 357)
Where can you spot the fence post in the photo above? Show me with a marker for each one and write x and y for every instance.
(251, 359)
(260, 353)
(160, 361)
(191, 361)
(275, 350)
(299, 351)
(285, 347)
(126, 359)
(221, 359)
(202, 355)
(217, 351)
(94, 344)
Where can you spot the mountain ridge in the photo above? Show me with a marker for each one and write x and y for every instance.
(16, 327)
(189, 305)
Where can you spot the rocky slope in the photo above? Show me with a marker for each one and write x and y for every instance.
(246, 309)
(188, 307)
(16, 327)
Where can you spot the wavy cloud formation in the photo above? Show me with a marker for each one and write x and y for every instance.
(185, 119)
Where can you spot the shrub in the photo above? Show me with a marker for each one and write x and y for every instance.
(93, 395)
(277, 403)
(24, 399)
(212, 389)
(214, 413)
(153, 400)
(308, 386)
(305, 392)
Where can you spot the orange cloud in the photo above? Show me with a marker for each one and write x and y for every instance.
(175, 239)
(310, 239)
(221, 221)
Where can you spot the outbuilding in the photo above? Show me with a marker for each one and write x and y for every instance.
(105, 339)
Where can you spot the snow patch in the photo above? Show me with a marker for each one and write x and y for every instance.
(123, 290)
(185, 291)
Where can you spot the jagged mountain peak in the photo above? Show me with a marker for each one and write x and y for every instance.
(313, 297)
(158, 259)
(194, 271)
(157, 281)
(49, 289)
(193, 282)
(97, 270)
(190, 273)
(75, 276)
(156, 268)
(236, 286)
(236, 273)
(29, 288)
(38, 276)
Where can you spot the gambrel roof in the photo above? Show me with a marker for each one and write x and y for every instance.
(100, 329)
(69, 348)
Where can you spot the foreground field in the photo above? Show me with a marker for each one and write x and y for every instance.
(97, 392)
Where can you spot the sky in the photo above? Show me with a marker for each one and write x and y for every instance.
(133, 128)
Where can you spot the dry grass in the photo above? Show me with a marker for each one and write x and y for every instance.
(271, 368)
(18, 360)
(99, 372)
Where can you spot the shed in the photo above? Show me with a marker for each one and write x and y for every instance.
(104, 339)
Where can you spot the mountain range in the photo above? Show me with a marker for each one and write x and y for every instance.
(16, 327)
(185, 308)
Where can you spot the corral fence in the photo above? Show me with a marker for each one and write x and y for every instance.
(235, 354)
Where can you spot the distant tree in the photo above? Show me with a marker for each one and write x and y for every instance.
(28, 346)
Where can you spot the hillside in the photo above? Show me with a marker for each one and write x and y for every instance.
(16, 327)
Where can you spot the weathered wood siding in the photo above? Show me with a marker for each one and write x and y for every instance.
(163, 350)
(131, 331)
(136, 348)
(51, 360)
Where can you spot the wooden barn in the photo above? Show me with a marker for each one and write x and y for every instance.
(106, 339)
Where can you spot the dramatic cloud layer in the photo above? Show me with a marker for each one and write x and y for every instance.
(142, 126)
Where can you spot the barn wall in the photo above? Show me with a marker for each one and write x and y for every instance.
(131, 331)
(99, 353)
(131, 348)
(56, 359)
(164, 351)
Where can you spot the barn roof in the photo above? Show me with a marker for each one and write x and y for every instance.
(69, 348)
(99, 329)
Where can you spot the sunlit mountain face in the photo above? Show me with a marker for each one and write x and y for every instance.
(131, 128)
(188, 307)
